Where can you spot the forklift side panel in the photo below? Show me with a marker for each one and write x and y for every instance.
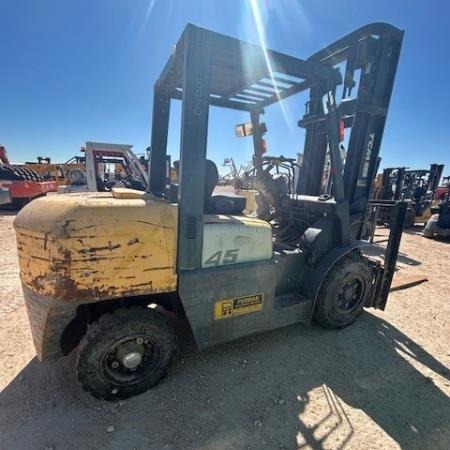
(204, 291)
(228, 302)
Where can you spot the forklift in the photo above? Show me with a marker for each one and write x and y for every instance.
(417, 187)
(103, 271)
(103, 166)
(389, 189)
(439, 223)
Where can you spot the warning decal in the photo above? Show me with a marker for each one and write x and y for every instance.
(224, 309)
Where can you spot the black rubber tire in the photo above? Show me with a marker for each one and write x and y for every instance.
(111, 328)
(32, 174)
(10, 173)
(350, 269)
(23, 173)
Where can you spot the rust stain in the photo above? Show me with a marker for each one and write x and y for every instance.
(84, 228)
(133, 241)
(66, 289)
(109, 247)
(157, 268)
(65, 225)
(39, 258)
(168, 227)
(45, 240)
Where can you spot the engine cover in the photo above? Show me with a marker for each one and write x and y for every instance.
(235, 239)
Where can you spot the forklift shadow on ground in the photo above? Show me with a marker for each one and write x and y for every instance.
(416, 229)
(378, 251)
(256, 393)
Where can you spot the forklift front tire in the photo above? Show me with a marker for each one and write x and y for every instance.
(125, 353)
(343, 294)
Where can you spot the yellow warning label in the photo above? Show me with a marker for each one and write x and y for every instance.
(224, 309)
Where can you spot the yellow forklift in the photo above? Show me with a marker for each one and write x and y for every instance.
(101, 270)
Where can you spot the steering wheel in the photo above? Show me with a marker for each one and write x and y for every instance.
(131, 183)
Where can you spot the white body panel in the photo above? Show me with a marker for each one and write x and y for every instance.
(235, 239)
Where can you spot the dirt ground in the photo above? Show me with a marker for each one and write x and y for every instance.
(381, 383)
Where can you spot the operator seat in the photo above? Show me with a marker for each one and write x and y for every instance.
(224, 203)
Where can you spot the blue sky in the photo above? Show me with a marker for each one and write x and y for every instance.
(78, 70)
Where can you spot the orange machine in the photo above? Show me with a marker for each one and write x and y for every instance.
(22, 183)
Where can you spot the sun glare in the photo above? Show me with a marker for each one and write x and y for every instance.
(260, 29)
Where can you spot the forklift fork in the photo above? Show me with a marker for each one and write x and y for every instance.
(385, 274)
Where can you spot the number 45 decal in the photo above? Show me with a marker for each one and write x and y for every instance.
(223, 257)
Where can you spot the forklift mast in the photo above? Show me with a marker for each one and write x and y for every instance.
(373, 51)
(435, 176)
(391, 176)
(427, 180)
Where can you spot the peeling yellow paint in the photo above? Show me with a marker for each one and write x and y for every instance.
(93, 246)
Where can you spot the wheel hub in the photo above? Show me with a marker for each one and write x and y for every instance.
(132, 360)
(348, 295)
(130, 355)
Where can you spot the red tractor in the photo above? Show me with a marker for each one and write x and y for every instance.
(19, 185)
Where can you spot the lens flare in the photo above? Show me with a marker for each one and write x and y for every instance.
(147, 15)
(259, 23)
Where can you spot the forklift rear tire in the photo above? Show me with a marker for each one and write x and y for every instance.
(125, 353)
(343, 293)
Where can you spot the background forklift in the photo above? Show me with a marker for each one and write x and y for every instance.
(439, 222)
(417, 187)
(104, 166)
(98, 268)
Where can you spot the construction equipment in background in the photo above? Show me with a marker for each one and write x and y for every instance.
(439, 223)
(20, 185)
(420, 187)
(232, 177)
(443, 189)
(62, 173)
(417, 187)
(105, 166)
(98, 270)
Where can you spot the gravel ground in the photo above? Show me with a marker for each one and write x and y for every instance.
(381, 383)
